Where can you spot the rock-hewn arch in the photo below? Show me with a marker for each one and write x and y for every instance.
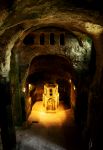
(51, 69)
(70, 20)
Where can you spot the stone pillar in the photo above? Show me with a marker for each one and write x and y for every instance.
(94, 131)
(37, 39)
(57, 38)
(72, 94)
(16, 92)
(6, 119)
(47, 38)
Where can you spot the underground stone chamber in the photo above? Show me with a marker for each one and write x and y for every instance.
(52, 55)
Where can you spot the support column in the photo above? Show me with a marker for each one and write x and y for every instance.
(72, 95)
(94, 131)
(16, 93)
(8, 136)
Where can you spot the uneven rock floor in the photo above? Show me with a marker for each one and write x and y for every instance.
(49, 131)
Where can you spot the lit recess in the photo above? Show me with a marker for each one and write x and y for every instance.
(50, 97)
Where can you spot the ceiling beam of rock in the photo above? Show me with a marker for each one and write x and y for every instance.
(25, 10)
(25, 16)
(69, 16)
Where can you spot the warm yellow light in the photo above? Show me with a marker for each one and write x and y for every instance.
(70, 80)
(30, 87)
(24, 89)
(50, 97)
(74, 88)
(47, 119)
(93, 28)
(29, 100)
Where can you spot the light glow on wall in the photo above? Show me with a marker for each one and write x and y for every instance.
(24, 89)
(70, 80)
(30, 87)
(74, 88)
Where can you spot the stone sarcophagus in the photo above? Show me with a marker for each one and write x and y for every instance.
(50, 97)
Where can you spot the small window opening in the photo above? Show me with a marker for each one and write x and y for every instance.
(50, 92)
(62, 42)
(42, 39)
(29, 39)
(52, 41)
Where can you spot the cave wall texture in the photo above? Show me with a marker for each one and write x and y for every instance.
(18, 18)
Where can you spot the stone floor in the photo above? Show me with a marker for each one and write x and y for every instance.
(49, 131)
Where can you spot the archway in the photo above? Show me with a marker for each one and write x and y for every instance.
(50, 69)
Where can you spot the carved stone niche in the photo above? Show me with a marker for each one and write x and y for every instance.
(50, 97)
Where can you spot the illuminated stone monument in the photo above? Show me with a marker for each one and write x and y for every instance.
(50, 97)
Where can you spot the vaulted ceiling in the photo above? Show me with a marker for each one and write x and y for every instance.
(18, 18)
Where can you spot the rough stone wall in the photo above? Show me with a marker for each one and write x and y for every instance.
(66, 19)
(29, 15)
(76, 49)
